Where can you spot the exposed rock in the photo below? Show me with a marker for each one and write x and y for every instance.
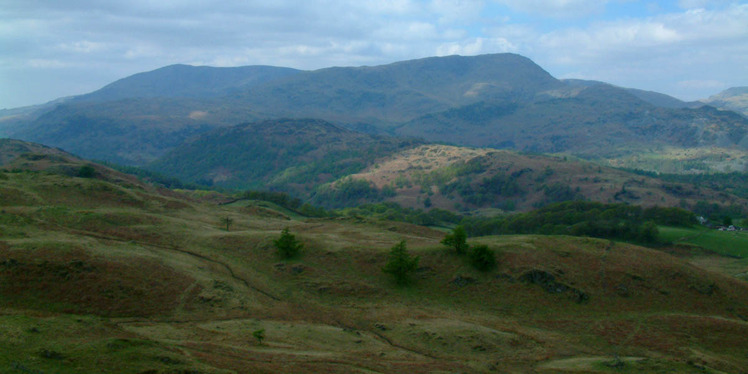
(381, 326)
(297, 269)
(506, 277)
(705, 289)
(550, 285)
(461, 281)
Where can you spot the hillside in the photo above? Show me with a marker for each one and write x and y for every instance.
(100, 275)
(599, 121)
(11, 149)
(468, 179)
(498, 100)
(387, 94)
(188, 81)
(735, 99)
(290, 155)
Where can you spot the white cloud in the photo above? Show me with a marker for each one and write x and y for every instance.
(707, 40)
(476, 46)
(556, 8)
(451, 11)
(46, 63)
(697, 4)
(651, 37)
(83, 46)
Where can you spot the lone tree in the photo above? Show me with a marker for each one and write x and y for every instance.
(457, 240)
(86, 171)
(400, 264)
(259, 335)
(227, 221)
(287, 245)
(482, 257)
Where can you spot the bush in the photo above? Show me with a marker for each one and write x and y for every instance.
(259, 335)
(457, 240)
(482, 257)
(287, 246)
(400, 264)
(86, 171)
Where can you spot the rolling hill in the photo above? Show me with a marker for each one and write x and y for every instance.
(320, 162)
(484, 180)
(735, 99)
(98, 274)
(290, 155)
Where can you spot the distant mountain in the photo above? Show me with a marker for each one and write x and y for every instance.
(654, 98)
(735, 99)
(599, 120)
(387, 94)
(188, 82)
(499, 100)
(131, 131)
(290, 155)
(13, 119)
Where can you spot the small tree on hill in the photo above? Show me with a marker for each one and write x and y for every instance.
(457, 239)
(259, 335)
(86, 171)
(400, 264)
(482, 257)
(227, 221)
(649, 232)
(287, 245)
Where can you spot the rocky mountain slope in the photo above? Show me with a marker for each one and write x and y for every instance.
(735, 99)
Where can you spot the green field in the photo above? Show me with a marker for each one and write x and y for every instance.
(111, 275)
(731, 243)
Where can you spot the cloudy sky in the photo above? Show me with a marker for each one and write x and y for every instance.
(686, 48)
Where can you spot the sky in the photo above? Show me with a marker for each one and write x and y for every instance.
(689, 49)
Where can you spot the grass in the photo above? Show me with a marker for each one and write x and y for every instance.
(75, 344)
(729, 243)
(425, 171)
(108, 286)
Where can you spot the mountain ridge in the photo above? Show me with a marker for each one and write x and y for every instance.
(497, 100)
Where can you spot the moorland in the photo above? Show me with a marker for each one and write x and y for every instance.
(592, 216)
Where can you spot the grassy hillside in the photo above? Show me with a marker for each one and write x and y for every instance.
(458, 178)
(684, 161)
(735, 98)
(292, 155)
(129, 131)
(98, 274)
(730, 243)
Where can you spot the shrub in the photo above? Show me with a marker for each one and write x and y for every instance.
(457, 240)
(86, 171)
(287, 245)
(259, 335)
(400, 264)
(482, 257)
